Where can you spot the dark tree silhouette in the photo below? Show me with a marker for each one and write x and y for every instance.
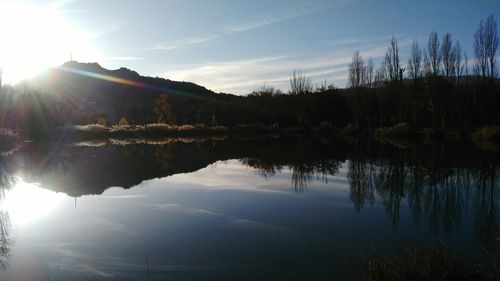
(392, 60)
(480, 50)
(433, 51)
(163, 110)
(415, 61)
(491, 43)
(299, 83)
(447, 55)
(356, 71)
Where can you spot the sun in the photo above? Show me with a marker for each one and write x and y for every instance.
(35, 37)
(27, 202)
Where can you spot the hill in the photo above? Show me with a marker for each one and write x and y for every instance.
(95, 92)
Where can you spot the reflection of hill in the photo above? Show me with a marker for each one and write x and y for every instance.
(90, 170)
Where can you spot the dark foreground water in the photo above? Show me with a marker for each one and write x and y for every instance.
(272, 209)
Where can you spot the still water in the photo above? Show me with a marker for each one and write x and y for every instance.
(273, 209)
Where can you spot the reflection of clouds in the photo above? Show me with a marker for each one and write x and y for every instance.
(232, 175)
(233, 220)
(100, 223)
(74, 260)
(131, 196)
(228, 175)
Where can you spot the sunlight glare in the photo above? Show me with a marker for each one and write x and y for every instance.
(27, 202)
(36, 37)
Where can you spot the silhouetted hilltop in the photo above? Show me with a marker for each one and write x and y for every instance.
(150, 83)
(93, 92)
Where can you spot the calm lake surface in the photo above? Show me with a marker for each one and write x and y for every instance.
(252, 209)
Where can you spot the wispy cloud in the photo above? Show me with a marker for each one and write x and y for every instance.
(182, 42)
(256, 21)
(109, 28)
(123, 58)
(243, 76)
(285, 13)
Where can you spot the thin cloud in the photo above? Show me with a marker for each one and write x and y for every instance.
(257, 21)
(110, 28)
(283, 14)
(124, 58)
(181, 43)
(243, 76)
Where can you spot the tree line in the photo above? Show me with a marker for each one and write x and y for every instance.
(439, 87)
(434, 89)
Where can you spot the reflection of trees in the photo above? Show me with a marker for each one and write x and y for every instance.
(438, 193)
(4, 238)
(7, 180)
(362, 182)
(264, 169)
(303, 173)
(486, 181)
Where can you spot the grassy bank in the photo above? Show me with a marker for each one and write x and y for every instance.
(165, 130)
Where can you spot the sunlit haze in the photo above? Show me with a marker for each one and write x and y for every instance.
(36, 37)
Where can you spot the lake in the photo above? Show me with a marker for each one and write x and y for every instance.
(238, 209)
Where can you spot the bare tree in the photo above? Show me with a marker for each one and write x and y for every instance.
(447, 55)
(368, 73)
(380, 75)
(434, 53)
(466, 64)
(457, 60)
(481, 57)
(491, 33)
(299, 83)
(392, 60)
(427, 65)
(415, 61)
(356, 71)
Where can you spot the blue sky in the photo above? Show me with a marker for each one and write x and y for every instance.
(237, 46)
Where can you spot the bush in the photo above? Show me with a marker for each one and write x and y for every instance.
(486, 133)
(351, 130)
(123, 122)
(185, 128)
(325, 127)
(102, 122)
(399, 130)
(92, 128)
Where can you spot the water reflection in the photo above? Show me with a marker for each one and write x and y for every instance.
(6, 181)
(437, 183)
(441, 196)
(4, 238)
(437, 186)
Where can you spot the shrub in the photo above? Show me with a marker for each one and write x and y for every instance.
(123, 122)
(102, 122)
(187, 128)
(325, 127)
(399, 130)
(486, 133)
(92, 128)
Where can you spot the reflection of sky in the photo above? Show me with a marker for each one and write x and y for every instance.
(224, 219)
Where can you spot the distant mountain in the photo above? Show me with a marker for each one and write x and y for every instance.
(98, 92)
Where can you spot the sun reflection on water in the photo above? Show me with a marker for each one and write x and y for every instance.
(27, 202)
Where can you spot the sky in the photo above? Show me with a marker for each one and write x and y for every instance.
(230, 46)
